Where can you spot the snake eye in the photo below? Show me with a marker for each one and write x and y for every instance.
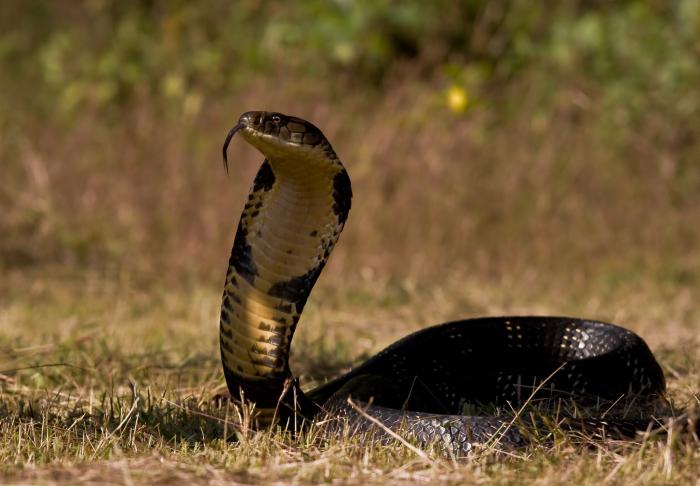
(276, 119)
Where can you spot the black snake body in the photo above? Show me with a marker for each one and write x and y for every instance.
(428, 384)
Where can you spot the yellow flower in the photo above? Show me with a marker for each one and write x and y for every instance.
(173, 85)
(457, 98)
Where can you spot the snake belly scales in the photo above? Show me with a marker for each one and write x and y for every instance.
(420, 386)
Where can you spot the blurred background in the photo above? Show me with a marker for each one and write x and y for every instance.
(548, 151)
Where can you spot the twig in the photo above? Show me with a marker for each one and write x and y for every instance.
(501, 432)
(48, 365)
(420, 453)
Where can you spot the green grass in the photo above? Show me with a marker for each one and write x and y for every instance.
(104, 380)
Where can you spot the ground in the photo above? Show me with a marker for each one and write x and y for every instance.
(108, 380)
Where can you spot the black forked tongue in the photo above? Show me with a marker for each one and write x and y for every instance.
(230, 135)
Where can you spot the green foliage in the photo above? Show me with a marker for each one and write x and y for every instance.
(105, 52)
(643, 56)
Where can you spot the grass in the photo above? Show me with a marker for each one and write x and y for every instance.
(105, 381)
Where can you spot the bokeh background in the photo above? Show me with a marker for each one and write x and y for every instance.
(506, 156)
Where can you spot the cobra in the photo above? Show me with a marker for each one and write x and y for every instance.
(422, 384)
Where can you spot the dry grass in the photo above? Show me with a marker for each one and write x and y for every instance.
(116, 233)
(493, 196)
(117, 386)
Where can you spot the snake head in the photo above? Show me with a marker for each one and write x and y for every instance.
(279, 136)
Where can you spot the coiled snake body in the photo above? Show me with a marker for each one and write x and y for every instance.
(423, 384)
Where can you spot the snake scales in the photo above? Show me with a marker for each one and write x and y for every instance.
(425, 384)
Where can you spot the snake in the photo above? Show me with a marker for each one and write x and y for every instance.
(430, 387)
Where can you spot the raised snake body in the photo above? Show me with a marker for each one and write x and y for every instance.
(424, 385)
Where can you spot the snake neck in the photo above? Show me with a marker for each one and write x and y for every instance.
(288, 228)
